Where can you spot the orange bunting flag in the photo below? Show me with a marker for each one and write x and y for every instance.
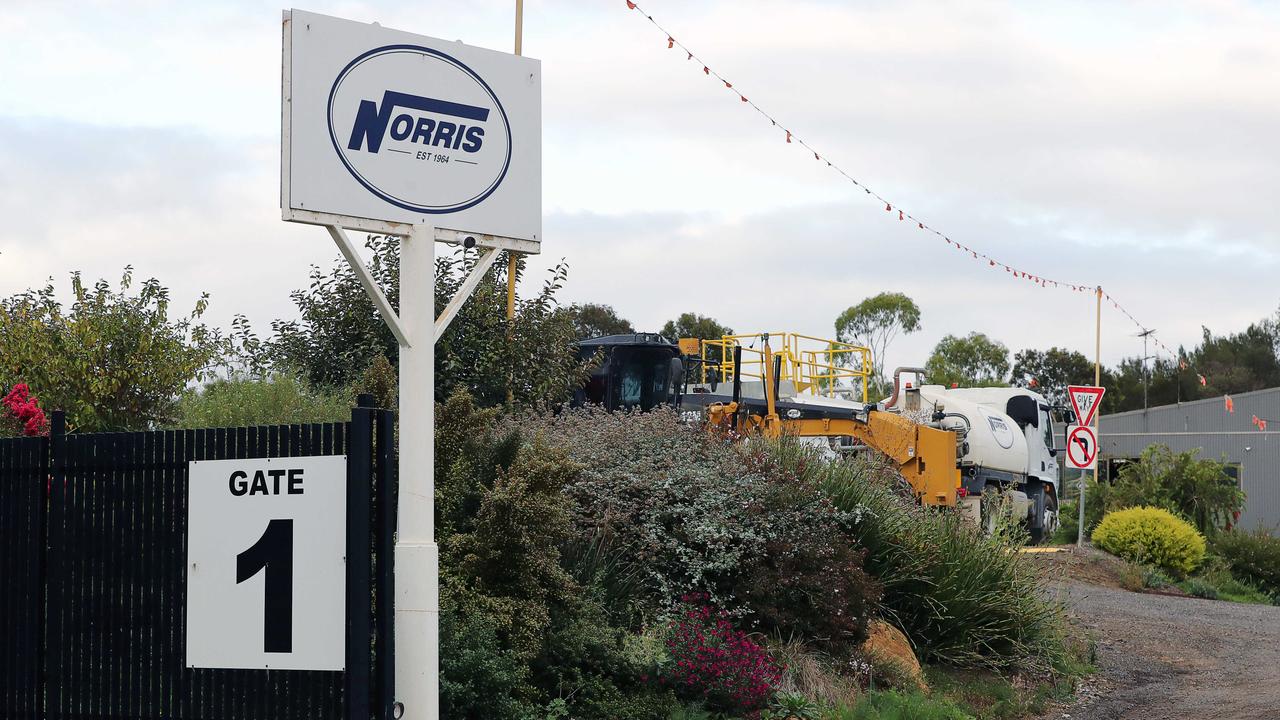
(671, 42)
(744, 98)
(788, 136)
(706, 70)
(1231, 406)
(1202, 380)
(888, 207)
(728, 84)
(993, 263)
(815, 157)
(900, 215)
(631, 5)
(921, 226)
(690, 56)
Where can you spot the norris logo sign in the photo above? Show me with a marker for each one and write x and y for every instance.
(419, 129)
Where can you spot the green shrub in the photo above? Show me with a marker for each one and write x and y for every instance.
(691, 513)
(509, 590)
(478, 678)
(1153, 578)
(1253, 557)
(962, 598)
(1153, 536)
(1182, 483)
(284, 399)
(1201, 588)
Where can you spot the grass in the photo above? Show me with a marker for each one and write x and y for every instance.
(1213, 582)
(956, 695)
(962, 598)
(1218, 584)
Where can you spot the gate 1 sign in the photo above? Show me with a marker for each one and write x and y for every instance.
(266, 572)
(387, 126)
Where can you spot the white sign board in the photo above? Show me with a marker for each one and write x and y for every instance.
(1082, 447)
(382, 126)
(1085, 400)
(266, 563)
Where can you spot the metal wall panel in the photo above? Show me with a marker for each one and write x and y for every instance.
(1208, 426)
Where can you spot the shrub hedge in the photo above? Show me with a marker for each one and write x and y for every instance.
(1153, 536)
(1252, 556)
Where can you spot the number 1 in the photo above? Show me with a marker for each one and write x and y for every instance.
(274, 552)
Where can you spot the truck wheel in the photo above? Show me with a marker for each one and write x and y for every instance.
(1041, 535)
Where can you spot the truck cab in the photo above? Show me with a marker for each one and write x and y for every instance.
(636, 371)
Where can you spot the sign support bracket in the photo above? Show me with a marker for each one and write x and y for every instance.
(468, 287)
(370, 287)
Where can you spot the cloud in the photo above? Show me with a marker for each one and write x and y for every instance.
(1130, 145)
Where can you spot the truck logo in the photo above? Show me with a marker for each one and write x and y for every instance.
(1000, 429)
(419, 129)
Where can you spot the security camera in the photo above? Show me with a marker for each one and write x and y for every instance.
(468, 242)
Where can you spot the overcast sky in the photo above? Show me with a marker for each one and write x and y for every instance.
(1132, 145)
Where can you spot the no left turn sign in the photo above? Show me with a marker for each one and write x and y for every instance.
(1082, 447)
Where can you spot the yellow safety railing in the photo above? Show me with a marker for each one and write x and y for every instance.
(817, 366)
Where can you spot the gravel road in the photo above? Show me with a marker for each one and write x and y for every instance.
(1161, 658)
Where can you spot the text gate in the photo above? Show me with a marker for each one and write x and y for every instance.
(93, 572)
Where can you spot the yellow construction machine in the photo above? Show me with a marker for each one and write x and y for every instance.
(813, 406)
(952, 445)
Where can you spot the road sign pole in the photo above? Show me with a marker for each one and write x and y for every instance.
(417, 602)
(1097, 381)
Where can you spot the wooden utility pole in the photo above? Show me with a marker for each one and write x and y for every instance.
(511, 256)
(1097, 381)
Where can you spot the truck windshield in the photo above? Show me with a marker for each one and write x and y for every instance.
(643, 379)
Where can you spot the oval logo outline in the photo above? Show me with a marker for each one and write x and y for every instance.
(385, 195)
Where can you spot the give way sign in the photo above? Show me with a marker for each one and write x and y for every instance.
(1082, 447)
(1085, 400)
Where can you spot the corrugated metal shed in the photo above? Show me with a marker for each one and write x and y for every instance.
(1206, 424)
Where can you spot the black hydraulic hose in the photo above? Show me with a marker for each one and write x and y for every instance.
(777, 377)
(737, 381)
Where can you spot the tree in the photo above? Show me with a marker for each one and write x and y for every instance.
(1049, 372)
(112, 361)
(972, 361)
(591, 320)
(1239, 362)
(1183, 483)
(693, 325)
(339, 331)
(340, 334)
(875, 322)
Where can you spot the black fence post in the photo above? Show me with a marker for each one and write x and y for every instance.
(52, 599)
(385, 552)
(359, 562)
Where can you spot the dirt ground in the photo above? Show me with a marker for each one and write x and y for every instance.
(1162, 657)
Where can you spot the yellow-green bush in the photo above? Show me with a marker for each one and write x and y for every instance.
(1152, 536)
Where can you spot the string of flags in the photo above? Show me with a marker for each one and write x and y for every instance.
(792, 138)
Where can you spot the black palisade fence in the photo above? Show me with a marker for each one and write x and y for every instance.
(93, 532)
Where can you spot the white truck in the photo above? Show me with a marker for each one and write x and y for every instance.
(1005, 447)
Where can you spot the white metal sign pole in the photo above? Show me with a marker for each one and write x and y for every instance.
(417, 608)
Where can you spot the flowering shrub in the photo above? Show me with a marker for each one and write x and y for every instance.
(20, 413)
(691, 513)
(715, 664)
